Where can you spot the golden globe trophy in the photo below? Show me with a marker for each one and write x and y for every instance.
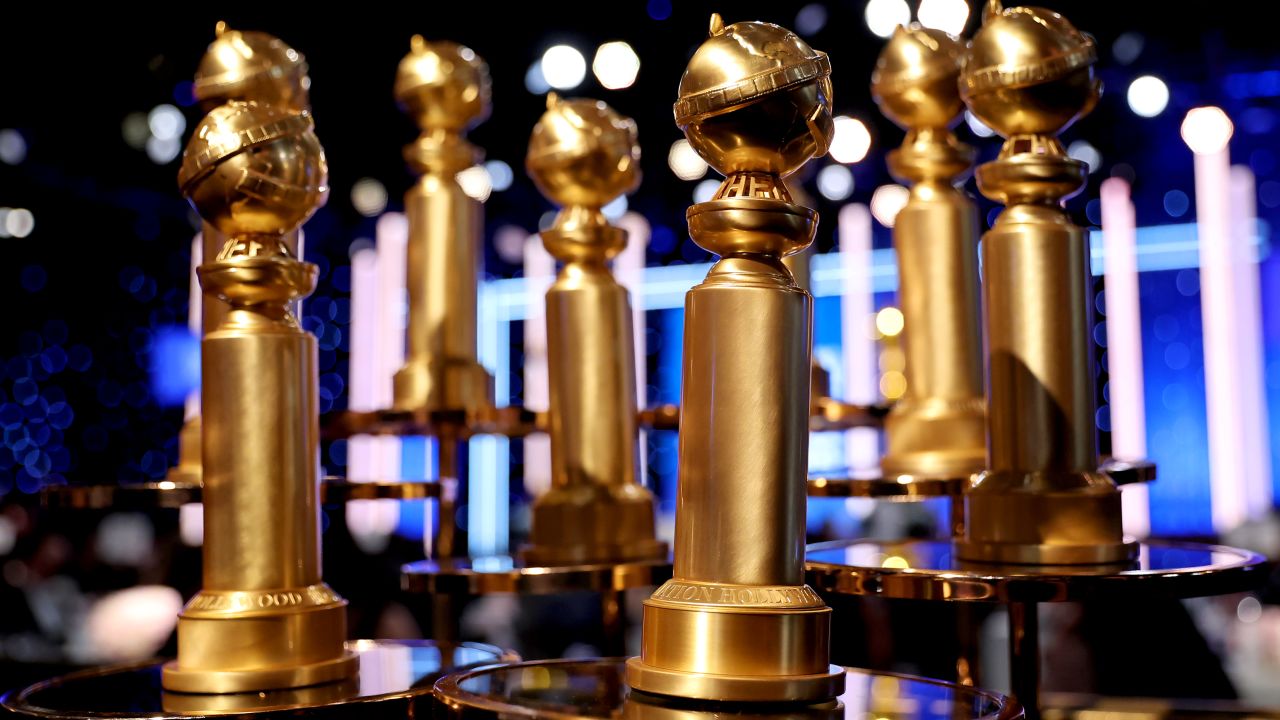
(1042, 500)
(582, 155)
(264, 619)
(938, 429)
(444, 87)
(737, 622)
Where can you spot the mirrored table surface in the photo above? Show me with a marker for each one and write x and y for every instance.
(930, 570)
(573, 689)
(508, 574)
(395, 681)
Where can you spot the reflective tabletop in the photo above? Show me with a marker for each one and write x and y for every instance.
(567, 689)
(169, 494)
(394, 682)
(507, 574)
(929, 570)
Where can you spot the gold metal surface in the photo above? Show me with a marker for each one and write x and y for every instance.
(1042, 499)
(582, 155)
(737, 622)
(445, 88)
(938, 429)
(264, 618)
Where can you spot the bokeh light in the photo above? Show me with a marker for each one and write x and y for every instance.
(369, 197)
(685, 162)
(564, 67)
(835, 182)
(616, 65)
(475, 183)
(889, 321)
(885, 15)
(850, 141)
(887, 201)
(949, 16)
(1148, 96)
(1206, 130)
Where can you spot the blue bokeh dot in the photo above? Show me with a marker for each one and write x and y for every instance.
(10, 415)
(25, 391)
(53, 359)
(659, 9)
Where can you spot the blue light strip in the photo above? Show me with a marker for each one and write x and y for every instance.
(1159, 247)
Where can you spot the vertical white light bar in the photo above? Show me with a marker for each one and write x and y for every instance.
(1244, 216)
(539, 273)
(1124, 345)
(191, 515)
(1207, 132)
(857, 310)
(370, 522)
(629, 268)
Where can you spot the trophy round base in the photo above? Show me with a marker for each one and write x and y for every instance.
(735, 688)
(394, 683)
(219, 682)
(1119, 554)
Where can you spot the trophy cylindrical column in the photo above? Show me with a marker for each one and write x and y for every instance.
(254, 546)
(1038, 300)
(443, 266)
(938, 428)
(744, 439)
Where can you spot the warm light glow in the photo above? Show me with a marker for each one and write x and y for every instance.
(685, 162)
(851, 140)
(887, 201)
(893, 385)
(368, 197)
(1148, 96)
(948, 16)
(616, 65)
(896, 562)
(835, 182)
(889, 321)
(885, 15)
(563, 67)
(475, 183)
(1206, 130)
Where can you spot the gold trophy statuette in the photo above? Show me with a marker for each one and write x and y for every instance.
(250, 66)
(1042, 500)
(445, 88)
(264, 618)
(938, 429)
(581, 155)
(737, 622)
